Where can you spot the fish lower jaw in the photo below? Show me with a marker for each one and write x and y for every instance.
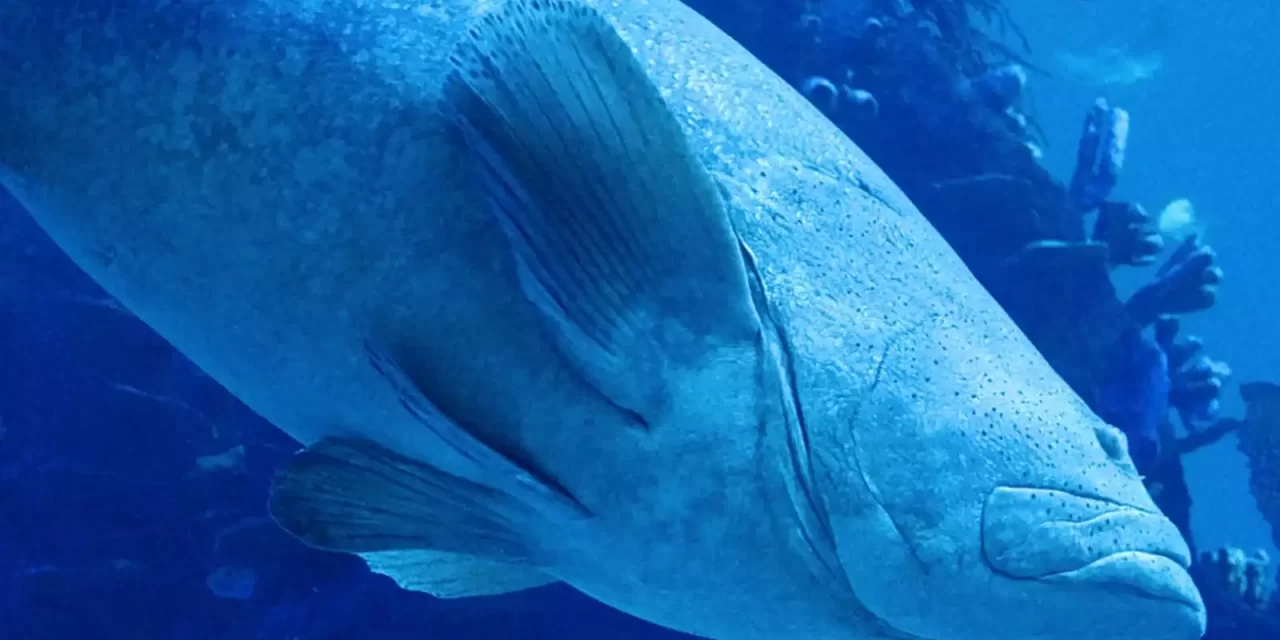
(1147, 575)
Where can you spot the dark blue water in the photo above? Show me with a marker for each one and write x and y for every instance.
(133, 488)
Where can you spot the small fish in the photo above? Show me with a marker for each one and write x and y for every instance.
(1137, 58)
(1177, 220)
(1110, 66)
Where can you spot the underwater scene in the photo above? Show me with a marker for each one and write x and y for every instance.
(639, 320)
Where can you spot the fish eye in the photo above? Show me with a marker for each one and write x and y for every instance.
(1114, 442)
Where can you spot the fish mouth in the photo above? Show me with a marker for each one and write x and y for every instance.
(1061, 537)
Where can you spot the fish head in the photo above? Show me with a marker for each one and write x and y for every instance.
(961, 489)
(970, 494)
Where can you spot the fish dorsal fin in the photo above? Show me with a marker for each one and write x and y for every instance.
(621, 238)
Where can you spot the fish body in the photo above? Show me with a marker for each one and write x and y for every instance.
(578, 290)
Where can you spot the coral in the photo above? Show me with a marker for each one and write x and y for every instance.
(1237, 592)
(1099, 155)
(1232, 573)
(840, 101)
(1258, 435)
(999, 88)
(1186, 283)
(1129, 233)
(975, 45)
(1196, 379)
(1135, 395)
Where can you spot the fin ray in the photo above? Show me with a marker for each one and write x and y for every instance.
(354, 495)
(451, 575)
(347, 494)
(620, 235)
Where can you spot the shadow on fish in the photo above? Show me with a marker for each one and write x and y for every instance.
(569, 290)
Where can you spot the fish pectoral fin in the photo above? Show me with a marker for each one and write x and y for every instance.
(620, 235)
(452, 575)
(353, 495)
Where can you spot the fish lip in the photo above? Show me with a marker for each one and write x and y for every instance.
(1051, 534)
(1162, 593)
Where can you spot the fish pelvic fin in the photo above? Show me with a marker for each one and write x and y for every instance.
(355, 495)
(347, 494)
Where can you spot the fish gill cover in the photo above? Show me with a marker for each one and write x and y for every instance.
(134, 488)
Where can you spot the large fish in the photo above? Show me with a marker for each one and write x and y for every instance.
(577, 290)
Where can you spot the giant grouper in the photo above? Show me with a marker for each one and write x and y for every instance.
(577, 290)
